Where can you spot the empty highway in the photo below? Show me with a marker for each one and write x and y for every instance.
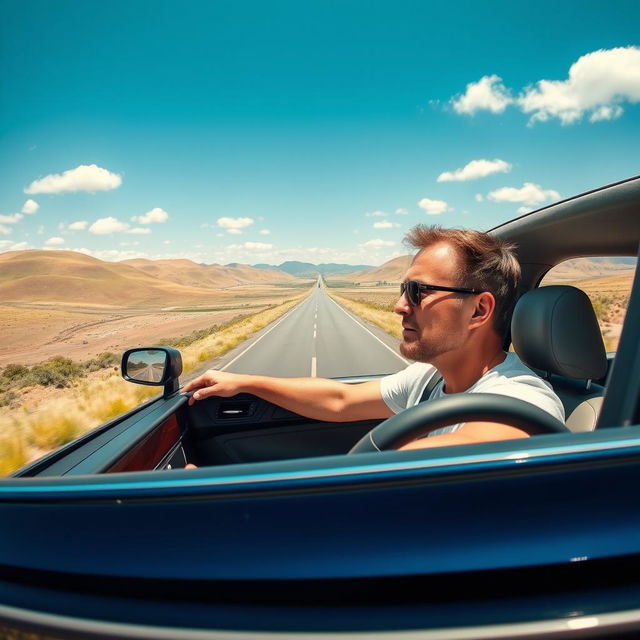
(316, 338)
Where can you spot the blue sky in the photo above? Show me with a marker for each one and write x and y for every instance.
(317, 131)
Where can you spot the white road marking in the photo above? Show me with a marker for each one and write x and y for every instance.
(284, 317)
(386, 346)
(313, 366)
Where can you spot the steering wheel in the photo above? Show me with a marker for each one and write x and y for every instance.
(425, 417)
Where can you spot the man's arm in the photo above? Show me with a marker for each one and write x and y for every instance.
(317, 398)
(469, 433)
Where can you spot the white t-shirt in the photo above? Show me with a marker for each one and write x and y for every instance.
(510, 378)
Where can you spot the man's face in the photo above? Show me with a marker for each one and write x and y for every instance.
(439, 324)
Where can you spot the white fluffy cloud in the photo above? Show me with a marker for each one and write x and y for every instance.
(4, 230)
(378, 244)
(30, 206)
(11, 219)
(10, 245)
(529, 193)
(155, 216)
(251, 246)
(376, 214)
(265, 232)
(54, 242)
(105, 226)
(433, 207)
(598, 83)
(258, 246)
(606, 112)
(234, 225)
(83, 178)
(385, 224)
(80, 225)
(475, 169)
(487, 94)
(401, 211)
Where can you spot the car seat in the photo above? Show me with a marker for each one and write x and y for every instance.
(554, 331)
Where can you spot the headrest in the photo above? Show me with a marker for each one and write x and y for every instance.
(555, 329)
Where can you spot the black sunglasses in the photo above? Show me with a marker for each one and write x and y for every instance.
(413, 289)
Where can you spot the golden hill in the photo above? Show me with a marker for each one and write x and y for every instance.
(189, 273)
(585, 268)
(392, 271)
(74, 278)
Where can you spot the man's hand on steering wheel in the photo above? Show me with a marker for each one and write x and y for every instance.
(407, 426)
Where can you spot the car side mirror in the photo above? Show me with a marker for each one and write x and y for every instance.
(154, 366)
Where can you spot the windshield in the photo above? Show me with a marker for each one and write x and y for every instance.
(202, 172)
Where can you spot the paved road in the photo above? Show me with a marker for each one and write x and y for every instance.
(316, 338)
(150, 373)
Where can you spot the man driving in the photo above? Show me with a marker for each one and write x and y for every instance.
(456, 302)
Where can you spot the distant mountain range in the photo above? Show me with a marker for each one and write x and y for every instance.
(309, 270)
(74, 278)
(188, 273)
(68, 277)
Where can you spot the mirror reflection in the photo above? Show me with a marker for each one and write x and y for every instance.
(146, 365)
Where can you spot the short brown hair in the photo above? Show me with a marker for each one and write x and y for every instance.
(487, 263)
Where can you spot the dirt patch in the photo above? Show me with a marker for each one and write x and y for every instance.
(33, 333)
(30, 336)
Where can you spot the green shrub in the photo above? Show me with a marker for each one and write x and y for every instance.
(13, 375)
(103, 360)
(14, 371)
(200, 334)
(57, 371)
(7, 398)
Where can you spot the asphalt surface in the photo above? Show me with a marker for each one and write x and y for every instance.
(316, 338)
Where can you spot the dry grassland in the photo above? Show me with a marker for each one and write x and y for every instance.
(45, 421)
(33, 333)
(374, 304)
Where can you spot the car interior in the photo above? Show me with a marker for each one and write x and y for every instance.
(554, 331)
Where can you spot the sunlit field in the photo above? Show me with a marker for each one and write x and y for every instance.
(40, 420)
(374, 304)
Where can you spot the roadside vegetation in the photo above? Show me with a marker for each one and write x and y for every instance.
(373, 306)
(91, 393)
(56, 372)
(610, 309)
